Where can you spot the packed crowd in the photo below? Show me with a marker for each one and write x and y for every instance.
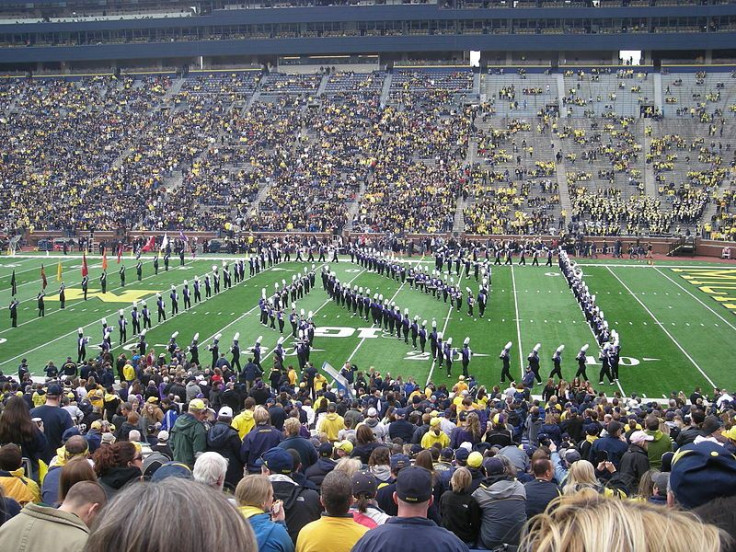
(200, 153)
(285, 462)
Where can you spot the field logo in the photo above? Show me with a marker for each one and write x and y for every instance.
(719, 283)
(127, 296)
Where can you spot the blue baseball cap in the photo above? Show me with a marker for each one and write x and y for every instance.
(278, 460)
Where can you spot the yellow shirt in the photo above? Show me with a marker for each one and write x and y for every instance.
(336, 534)
(430, 439)
(243, 423)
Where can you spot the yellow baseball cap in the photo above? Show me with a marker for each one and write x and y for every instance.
(345, 446)
(475, 459)
(197, 404)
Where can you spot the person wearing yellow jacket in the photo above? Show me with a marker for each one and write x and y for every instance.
(244, 421)
(14, 483)
(435, 435)
(331, 424)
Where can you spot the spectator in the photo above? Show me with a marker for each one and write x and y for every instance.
(293, 440)
(460, 511)
(16, 426)
(435, 435)
(365, 509)
(223, 439)
(701, 473)
(210, 469)
(336, 529)
(162, 445)
(379, 464)
(542, 490)
(41, 529)
(75, 447)
(590, 522)
(366, 442)
(15, 484)
(502, 500)
(155, 512)
(380, 431)
(411, 531)
(331, 423)
(324, 465)
(635, 462)
(189, 436)
(301, 505)
(255, 499)
(261, 438)
(610, 448)
(660, 444)
(117, 465)
(244, 421)
(55, 419)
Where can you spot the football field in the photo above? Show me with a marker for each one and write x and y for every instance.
(675, 319)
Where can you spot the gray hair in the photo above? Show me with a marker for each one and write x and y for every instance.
(210, 469)
(145, 517)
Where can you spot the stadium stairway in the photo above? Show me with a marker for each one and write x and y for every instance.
(355, 207)
(386, 91)
(561, 175)
(650, 183)
(174, 90)
(561, 93)
(658, 93)
(322, 85)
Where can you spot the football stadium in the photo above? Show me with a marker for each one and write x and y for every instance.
(367, 275)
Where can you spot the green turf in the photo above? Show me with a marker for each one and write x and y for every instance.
(698, 332)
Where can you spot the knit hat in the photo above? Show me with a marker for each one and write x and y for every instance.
(475, 459)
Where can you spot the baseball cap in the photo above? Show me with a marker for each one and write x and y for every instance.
(414, 485)
(345, 446)
(639, 436)
(364, 483)
(701, 473)
(196, 404)
(152, 463)
(461, 454)
(225, 412)
(278, 460)
(163, 435)
(475, 459)
(434, 422)
(572, 456)
(399, 461)
(325, 450)
(54, 390)
(372, 412)
(493, 466)
(152, 400)
(172, 469)
(447, 453)
(711, 424)
(730, 434)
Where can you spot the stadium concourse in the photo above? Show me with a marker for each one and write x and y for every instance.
(113, 452)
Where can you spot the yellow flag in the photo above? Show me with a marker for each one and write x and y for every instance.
(58, 272)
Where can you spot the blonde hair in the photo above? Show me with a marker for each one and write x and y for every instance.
(292, 426)
(261, 415)
(349, 465)
(253, 490)
(461, 480)
(590, 522)
(581, 476)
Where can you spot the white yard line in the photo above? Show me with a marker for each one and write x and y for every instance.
(516, 317)
(710, 381)
(697, 299)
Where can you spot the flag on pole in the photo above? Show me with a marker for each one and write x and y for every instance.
(12, 284)
(165, 242)
(120, 252)
(182, 237)
(85, 270)
(150, 244)
(58, 272)
(340, 381)
(44, 282)
(104, 261)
